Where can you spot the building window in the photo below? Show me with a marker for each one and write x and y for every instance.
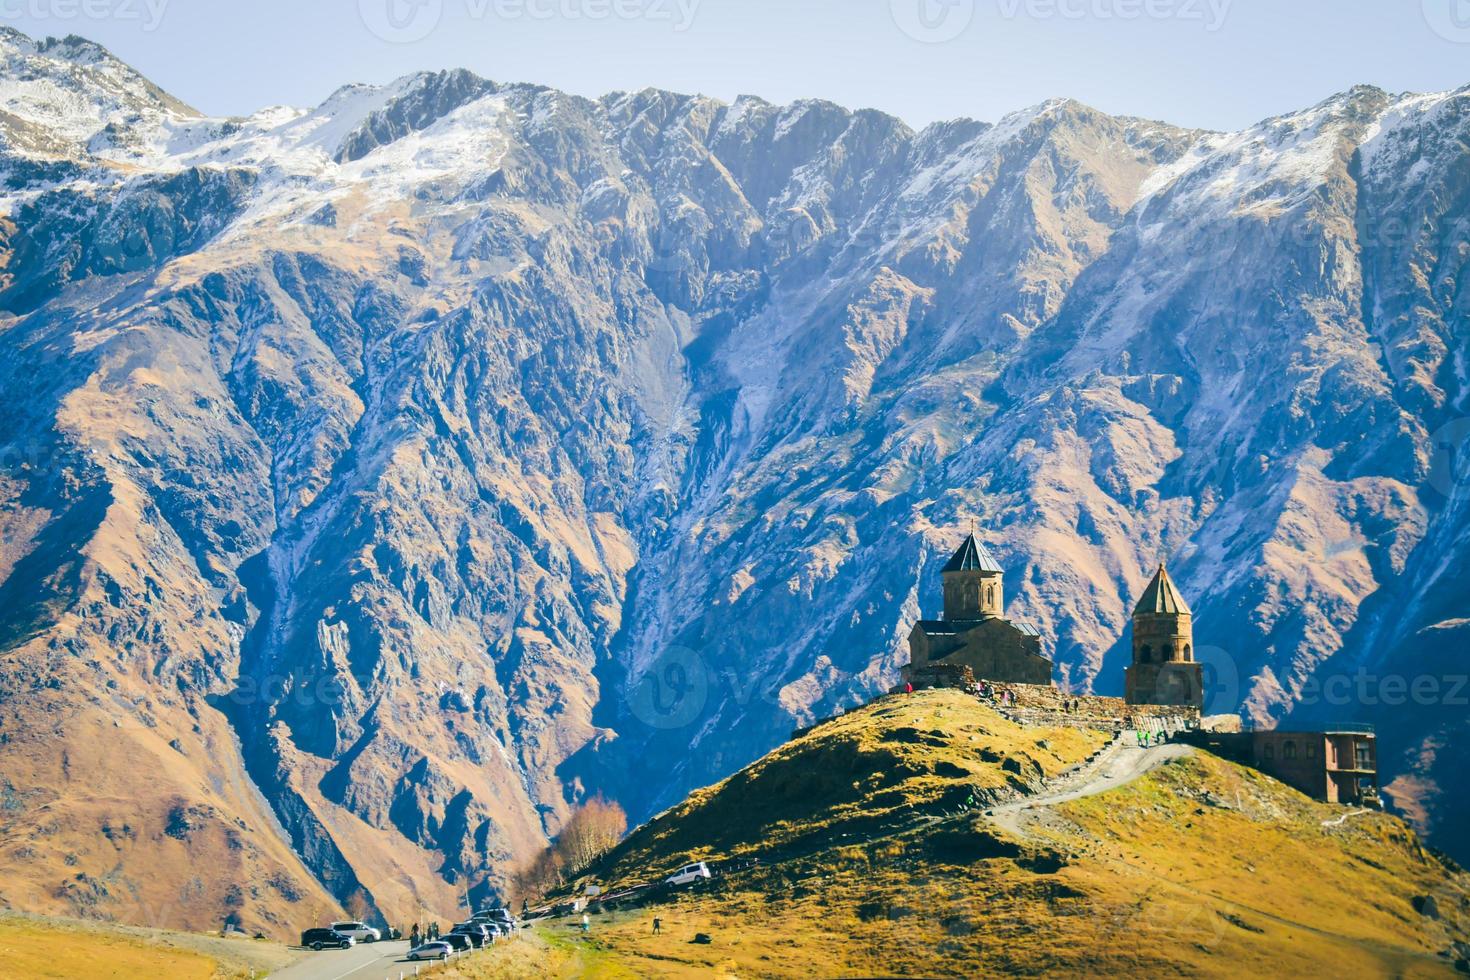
(1364, 761)
(1288, 751)
(1311, 750)
(1270, 751)
(1148, 653)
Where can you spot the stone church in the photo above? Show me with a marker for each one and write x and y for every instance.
(1164, 670)
(974, 638)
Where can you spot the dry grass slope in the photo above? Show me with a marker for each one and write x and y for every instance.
(34, 947)
(1199, 868)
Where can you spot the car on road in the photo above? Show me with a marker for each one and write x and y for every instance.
(431, 950)
(479, 933)
(360, 931)
(458, 940)
(688, 874)
(320, 939)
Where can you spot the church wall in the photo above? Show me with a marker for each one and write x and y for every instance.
(997, 651)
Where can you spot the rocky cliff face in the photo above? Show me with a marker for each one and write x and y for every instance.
(385, 477)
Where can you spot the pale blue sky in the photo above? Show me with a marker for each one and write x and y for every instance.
(1214, 63)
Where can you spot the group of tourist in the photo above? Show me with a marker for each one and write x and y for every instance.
(417, 936)
(1003, 696)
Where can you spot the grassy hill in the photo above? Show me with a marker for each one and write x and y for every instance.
(868, 866)
(34, 946)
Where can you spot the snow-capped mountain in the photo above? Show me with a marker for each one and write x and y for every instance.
(382, 478)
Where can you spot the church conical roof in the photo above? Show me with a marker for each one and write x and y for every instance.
(1161, 596)
(972, 557)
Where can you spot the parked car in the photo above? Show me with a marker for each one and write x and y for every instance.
(688, 874)
(360, 931)
(321, 938)
(479, 933)
(458, 940)
(431, 950)
(495, 915)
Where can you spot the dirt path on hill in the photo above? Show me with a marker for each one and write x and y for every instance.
(1119, 764)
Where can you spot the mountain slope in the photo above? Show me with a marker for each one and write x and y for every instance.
(1199, 867)
(439, 455)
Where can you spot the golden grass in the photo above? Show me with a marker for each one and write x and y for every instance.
(30, 950)
(37, 947)
(858, 776)
(1200, 868)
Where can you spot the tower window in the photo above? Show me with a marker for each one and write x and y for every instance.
(990, 595)
(1168, 651)
(1147, 653)
(1189, 651)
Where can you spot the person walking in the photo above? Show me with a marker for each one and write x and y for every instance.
(658, 925)
(413, 937)
(586, 923)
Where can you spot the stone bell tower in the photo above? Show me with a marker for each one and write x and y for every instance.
(973, 586)
(1164, 670)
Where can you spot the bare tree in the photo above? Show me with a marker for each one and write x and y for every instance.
(539, 875)
(593, 829)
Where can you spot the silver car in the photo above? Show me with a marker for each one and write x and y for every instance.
(431, 950)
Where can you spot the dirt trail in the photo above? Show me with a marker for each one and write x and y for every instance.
(1118, 765)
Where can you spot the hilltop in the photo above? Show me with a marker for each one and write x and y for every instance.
(868, 865)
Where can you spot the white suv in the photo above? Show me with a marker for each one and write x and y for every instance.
(360, 931)
(688, 874)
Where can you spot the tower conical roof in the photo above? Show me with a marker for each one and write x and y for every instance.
(1161, 596)
(972, 557)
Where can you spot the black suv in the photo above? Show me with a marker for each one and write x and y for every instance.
(458, 940)
(321, 938)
